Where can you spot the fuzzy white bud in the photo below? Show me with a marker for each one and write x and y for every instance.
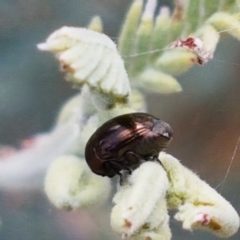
(70, 184)
(137, 199)
(199, 205)
(89, 57)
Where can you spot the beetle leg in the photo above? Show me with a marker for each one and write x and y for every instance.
(115, 168)
(109, 170)
(122, 179)
(129, 170)
(159, 161)
(135, 158)
(132, 158)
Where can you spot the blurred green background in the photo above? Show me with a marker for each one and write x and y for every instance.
(205, 116)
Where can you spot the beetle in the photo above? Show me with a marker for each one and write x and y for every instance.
(124, 142)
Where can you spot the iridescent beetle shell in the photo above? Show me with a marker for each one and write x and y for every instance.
(126, 141)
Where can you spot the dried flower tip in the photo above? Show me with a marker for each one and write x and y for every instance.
(196, 46)
(137, 199)
(91, 58)
(69, 184)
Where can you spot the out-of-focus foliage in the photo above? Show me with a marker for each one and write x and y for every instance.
(200, 114)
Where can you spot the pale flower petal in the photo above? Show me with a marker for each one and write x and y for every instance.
(137, 198)
(199, 205)
(96, 24)
(225, 22)
(157, 81)
(25, 168)
(80, 52)
(157, 226)
(176, 61)
(70, 184)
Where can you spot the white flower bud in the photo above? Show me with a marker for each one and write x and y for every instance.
(25, 168)
(136, 200)
(129, 28)
(221, 220)
(196, 46)
(176, 61)
(91, 58)
(199, 205)
(210, 38)
(225, 22)
(96, 24)
(157, 225)
(137, 101)
(69, 108)
(159, 82)
(70, 184)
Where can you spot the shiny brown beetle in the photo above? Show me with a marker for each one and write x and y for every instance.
(126, 141)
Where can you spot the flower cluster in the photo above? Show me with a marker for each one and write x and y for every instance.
(164, 45)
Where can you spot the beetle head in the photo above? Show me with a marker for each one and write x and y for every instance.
(163, 129)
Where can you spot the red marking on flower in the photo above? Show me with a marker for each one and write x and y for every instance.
(214, 225)
(193, 60)
(195, 45)
(148, 238)
(28, 142)
(206, 220)
(66, 67)
(127, 223)
(189, 42)
(203, 219)
(6, 151)
(200, 61)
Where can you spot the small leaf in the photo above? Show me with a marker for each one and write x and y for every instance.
(96, 24)
(159, 82)
(176, 61)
